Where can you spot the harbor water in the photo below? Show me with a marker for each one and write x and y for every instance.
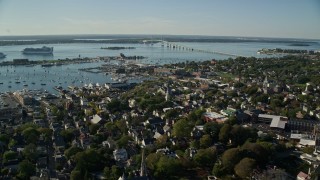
(37, 77)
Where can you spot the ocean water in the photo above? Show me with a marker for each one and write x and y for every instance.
(154, 53)
(36, 77)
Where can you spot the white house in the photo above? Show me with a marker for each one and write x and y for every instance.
(95, 119)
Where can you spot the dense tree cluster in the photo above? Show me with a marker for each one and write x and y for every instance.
(30, 134)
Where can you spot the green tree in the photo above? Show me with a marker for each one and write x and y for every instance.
(73, 150)
(171, 114)
(46, 132)
(167, 167)
(232, 120)
(5, 171)
(123, 141)
(4, 138)
(261, 98)
(115, 172)
(26, 169)
(303, 80)
(152, 160)
(162, 141)
(195, 115)
(182, 128)
(9, 155)
(308, 150)
(205, 141)
(268, 146)
(31, 135)
(218, 170)
(111, 128)
(195, 144)
(240, 134)
(112, 173)
(26, 126)
(98, 138)
(121, 124)
(251, 90)
(256, 151)
(224, 133)
(213, 129)
(116, 105)
(205, 157)
(93, 128)
(76, 175)
(89, 160)
(276, 103)
(230, 158)
(107, 172)
(238, 85)
(244, 168)
(12, 143)
(30, 152)
(68, 135)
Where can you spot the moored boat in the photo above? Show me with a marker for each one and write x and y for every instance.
(2, 55)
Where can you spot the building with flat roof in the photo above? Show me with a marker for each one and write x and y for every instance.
(214, 117)
(8, 106)
(275, 121)
(304, 125)
(24, 97)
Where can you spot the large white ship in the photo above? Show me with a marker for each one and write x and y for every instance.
(43, 50)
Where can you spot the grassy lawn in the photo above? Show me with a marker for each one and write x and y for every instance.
(302, 86)
(226, 76)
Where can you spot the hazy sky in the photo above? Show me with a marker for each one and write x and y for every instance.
(268, 18)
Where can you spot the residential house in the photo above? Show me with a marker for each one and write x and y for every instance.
(303, 176)
(96, 119)
(120, 154)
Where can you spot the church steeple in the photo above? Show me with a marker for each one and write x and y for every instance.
(265, 82)
(123, 177)
(168, 92)
(143, 168)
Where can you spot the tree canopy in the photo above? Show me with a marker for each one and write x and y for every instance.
(206, 157)
(182, 128)
(89, 160)
(230, 158)
(244, 168)
(26, 169)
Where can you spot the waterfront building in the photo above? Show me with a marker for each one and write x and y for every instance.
(24, 98)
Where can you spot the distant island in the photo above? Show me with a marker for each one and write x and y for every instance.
(117, 48)
(299, 44)
(285, 51)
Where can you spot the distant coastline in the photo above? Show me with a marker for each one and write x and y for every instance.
(141, 39)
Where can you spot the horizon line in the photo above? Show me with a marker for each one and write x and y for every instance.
(199, 35)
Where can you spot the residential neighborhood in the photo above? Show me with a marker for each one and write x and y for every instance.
(231, 119)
